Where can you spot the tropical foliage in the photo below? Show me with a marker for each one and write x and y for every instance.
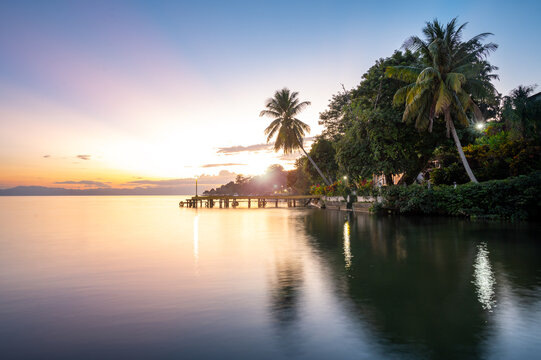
(522, 113)
(514, 198)
(494, 157)
(289, 131)
(451, 71)
(338, 188)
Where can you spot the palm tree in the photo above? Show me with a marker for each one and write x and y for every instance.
(442, 84)
(289, 130)
(522, 113)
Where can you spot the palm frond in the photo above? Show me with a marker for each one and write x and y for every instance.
(444, 99)
(403, 73)
(455, 81)
(428, 74)
(269, 113)
(414, 44)
(272, 128)
(400, 96)
(289, 131)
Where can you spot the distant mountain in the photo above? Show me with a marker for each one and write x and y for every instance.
(48, 191)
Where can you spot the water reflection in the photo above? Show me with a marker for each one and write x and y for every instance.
(484, 278)
(113, 278)
(285, 290)
(347, 244)
(409, 281)
(196, 241)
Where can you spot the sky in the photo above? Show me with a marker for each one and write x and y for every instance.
(124, 93)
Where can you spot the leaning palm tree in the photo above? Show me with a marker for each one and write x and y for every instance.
(289, 130)
(442, 84)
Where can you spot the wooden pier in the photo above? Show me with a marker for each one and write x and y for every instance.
(227, 201)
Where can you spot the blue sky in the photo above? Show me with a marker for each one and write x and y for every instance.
(155, 89)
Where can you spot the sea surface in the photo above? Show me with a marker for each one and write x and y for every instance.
(141, 278)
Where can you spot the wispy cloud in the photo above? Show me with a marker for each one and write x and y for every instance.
(85, 183)
(240, 148)
(223, 177)
(290, 157)
(220, 165)
(256, 147)
(84, 157)
(46, 156)
(167, 182)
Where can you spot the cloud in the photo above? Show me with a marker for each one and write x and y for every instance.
(256, 147)
(222, 178)
(46, 156)
(290, 157)
(168, 182)
(85, 183)
(219, 165)
(240, 148)
(84, 157)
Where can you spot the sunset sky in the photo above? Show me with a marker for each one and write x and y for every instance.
(123, 94)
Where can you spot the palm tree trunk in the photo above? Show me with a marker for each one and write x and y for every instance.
(317, 168)
(459, 148)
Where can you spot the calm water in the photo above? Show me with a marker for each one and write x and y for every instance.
(139, 278)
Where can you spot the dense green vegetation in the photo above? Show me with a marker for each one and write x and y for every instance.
(517, 198)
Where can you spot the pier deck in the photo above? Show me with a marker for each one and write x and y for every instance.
(226, 201)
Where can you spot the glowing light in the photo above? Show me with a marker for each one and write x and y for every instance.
(345, 177)
(484, 280)
(480, 126)
(347, 247)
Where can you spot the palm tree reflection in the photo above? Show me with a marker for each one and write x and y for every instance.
(286, 285)
(285, 288)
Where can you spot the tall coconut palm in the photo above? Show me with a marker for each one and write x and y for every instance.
(289, 131)
(451, 70)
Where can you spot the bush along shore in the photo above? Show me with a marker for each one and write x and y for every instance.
(517, 198)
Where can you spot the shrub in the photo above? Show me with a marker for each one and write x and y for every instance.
(317, 190)
(338, 188)
(365, 188)
(496, 157)
(516, 198)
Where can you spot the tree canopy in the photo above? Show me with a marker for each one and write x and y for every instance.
(451, 71)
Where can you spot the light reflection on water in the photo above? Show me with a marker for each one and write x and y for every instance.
(113, 277)
(485, 281)
(196, 239)
(347, 245)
